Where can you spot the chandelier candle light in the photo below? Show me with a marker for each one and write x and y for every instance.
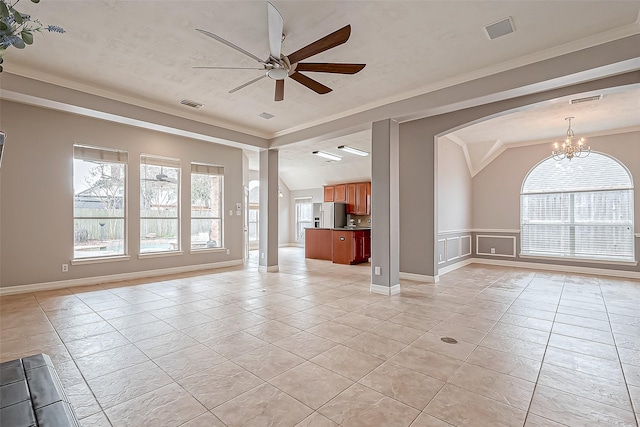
(568, 150)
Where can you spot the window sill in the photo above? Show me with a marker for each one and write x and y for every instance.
(583, 260)
(208, 250)
(83, 261)
(159, 254)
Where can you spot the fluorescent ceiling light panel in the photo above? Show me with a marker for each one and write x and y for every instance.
(353, 150)
(328, 156)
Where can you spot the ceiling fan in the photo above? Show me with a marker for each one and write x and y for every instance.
(279, 66)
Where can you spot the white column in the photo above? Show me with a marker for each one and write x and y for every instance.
(268, 254)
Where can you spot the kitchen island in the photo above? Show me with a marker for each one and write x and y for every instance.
(346, 245)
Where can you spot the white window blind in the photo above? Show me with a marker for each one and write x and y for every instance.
(578, 209)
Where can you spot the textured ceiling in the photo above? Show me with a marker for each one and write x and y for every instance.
(142, 53)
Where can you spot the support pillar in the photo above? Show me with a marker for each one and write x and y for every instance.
(268, 223)
(385, 207)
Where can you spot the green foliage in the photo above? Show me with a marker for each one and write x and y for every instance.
(16, 29)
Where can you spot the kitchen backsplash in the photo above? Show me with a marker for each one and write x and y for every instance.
(365, 220)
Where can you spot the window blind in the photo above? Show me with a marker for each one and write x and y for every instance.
(583, 210)
(159, 161)
(204, 169)
(84, 152)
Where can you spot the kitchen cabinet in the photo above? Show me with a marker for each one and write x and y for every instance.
(340, 193)
(359, 198)
(328, 193)
(351, 246)
(318, 243)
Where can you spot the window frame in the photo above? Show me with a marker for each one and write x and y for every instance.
(161, 161)
(98, 154)
(297, 220)
(220, 173)
(569, 201)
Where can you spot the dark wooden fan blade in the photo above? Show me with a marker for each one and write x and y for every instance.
(310, 83)
(279, 90)
(327, 42)
(324, 67)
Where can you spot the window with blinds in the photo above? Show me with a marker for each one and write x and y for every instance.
(206, 206)
(580, 209)
(159, 204)
(99, 202)
(304, 216)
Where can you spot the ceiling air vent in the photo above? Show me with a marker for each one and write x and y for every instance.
(266, 116)
(190, 103)
(500, 28)
(586, 99)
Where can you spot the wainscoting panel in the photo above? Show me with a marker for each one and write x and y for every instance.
(495, 245)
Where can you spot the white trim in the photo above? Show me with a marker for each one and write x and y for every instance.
(10, 290)
(207, 250)
(637, 234)
(466, 230)
(418, 277)
(496, 237)
(385, 290)
(269, 269)
(495, 230)
(444, 251)
(470, 249)
(291, 245)
(588, 261)
(159, 254)
(455, 266)
(82, 261)
(446, 247)
(558, 267)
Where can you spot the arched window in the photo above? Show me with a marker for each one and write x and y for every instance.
(580, 209)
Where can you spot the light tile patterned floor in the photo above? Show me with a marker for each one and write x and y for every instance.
(310, 346)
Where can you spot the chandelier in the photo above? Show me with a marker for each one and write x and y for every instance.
(568, 150)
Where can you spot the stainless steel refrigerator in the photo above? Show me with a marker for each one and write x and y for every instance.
(330, 215)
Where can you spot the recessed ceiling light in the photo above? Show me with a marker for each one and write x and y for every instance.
(328, 156)
(352, 150)
(190, 103)
(266, 115)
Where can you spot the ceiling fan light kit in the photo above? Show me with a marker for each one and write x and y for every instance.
(278, 66)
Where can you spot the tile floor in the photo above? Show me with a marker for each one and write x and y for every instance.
(310, 346)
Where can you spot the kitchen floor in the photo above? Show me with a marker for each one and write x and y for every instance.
(310, 346)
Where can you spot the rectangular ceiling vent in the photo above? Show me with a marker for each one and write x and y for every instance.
(586, 99)
(266, 116)
(190, 103)
(500, 28)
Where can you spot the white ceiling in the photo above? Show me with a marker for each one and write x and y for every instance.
(142, 52)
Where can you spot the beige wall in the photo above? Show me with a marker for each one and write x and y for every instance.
(453, 187)
(496, 188)
(37, 194)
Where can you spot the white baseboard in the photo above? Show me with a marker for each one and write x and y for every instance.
(385, 290)
(269, 269)
(291, 245)
(419, 277)
(455, 266)
(96, 280)
(557, 267)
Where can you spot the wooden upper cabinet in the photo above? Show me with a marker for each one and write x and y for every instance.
(356, 195)
(340, 193)
(328, 193)
(352, 206)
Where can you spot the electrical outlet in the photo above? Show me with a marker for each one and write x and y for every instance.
(262, 255)
(493, 250)
(359, 220)
(440, 257)
(228, 251)
(65, 268)
(230, 213)
(376, 271)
